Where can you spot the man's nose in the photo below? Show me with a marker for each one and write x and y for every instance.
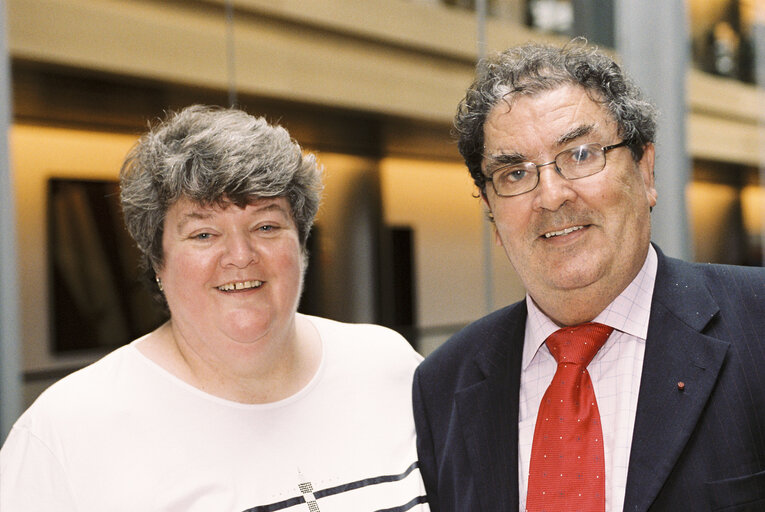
(553, 189)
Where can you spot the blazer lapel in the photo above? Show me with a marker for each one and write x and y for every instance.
(488, 415)
(676, 352)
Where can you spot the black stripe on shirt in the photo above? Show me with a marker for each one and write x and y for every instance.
(407, 506)
(278, 506)
(365, 483)
(323, 493)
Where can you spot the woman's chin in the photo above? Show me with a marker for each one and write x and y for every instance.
(250, 332)
(246, 335)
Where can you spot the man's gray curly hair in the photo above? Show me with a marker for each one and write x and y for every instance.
(533, 68)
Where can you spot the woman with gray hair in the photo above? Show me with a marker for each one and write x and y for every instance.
(238, 402)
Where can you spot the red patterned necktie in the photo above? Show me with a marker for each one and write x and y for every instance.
(567, 471)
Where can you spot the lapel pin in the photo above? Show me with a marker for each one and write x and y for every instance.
(681, 386)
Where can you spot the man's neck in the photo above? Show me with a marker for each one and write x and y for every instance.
(580, 305)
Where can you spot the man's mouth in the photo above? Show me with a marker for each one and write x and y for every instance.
(562, 232)
(240, 285)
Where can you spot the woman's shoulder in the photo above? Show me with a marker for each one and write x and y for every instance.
(89, 388)
(367, 341)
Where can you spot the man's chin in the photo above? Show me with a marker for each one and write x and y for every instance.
(572, 278)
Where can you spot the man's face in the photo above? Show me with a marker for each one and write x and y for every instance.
(584, 239)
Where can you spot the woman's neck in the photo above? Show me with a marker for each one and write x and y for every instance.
(241, 374)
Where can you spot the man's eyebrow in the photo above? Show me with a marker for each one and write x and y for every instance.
(502, 159)
(575, 133)
(513, 157)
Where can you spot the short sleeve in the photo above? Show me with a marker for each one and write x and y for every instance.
(31, 478)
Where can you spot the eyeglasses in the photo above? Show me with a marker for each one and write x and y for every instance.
(574, 163)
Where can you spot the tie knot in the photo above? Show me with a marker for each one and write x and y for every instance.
(578, 344)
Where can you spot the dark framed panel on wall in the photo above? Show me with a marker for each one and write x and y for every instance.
(97, 299)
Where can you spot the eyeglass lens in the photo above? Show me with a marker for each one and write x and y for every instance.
(574, 163)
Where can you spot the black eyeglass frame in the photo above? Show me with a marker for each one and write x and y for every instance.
(604, 149)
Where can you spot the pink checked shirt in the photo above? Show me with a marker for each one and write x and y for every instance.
(615, 371)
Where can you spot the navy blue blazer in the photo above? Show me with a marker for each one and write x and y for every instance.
(697, 449)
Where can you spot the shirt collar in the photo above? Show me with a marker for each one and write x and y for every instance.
(629, 312)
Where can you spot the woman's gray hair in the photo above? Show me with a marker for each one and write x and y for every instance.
(213, 156)
(533, 68)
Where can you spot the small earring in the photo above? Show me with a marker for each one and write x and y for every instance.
(159, 284)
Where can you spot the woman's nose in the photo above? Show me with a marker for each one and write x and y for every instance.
(240, 250)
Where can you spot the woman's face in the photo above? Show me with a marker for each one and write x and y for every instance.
(232, 276)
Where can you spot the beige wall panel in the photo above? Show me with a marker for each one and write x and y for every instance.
(347, 219)
(38, 154)
(753, 209)
(724, 140)
(428, 342)
(724, 97)
(382, 56)
(325, 68)
(172, 43)
(431, 28)
(715, 215)
(436, 200)
(136, 38)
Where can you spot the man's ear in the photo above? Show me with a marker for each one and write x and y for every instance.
(485, 199)
(487, 205)
(490, 215)
(646, 168)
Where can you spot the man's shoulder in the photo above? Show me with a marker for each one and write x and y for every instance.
(486, 338)
(707, 295)
(737, 273)
(718, 279)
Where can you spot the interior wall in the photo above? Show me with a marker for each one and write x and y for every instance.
(377, 56)
(347, 229)
(437, 199)
(716, 217)
(753, 206)
(39, 153)
(726, 205)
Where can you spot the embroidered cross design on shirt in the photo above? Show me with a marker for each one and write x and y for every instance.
(307, 489)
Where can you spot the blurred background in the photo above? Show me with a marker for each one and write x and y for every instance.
(370, 86)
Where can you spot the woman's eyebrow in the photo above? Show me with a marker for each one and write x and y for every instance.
(193, 215)
(270, 206)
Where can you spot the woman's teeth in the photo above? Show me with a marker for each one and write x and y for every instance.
(241, 285)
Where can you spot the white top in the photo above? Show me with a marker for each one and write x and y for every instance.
(125, 435)
(615, 372)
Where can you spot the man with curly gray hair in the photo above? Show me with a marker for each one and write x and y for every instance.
(619, 383)
(238, 402)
